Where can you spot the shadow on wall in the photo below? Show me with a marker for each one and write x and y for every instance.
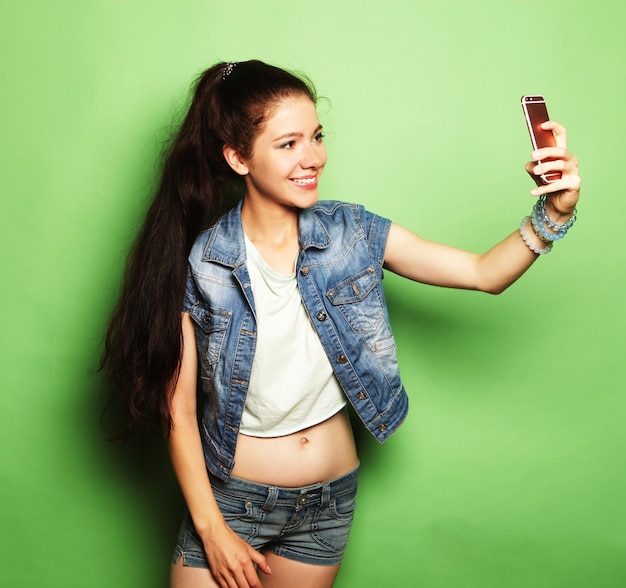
(141, 464)
(442, 332)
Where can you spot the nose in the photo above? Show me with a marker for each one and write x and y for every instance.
(314, 156)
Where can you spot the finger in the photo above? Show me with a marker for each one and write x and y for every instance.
(251, 577)
(230, 577)
(567, 165)
(530, 166)
(539, 171)
(259, 560)
(567, 184)
(546, 153)
(560, 133)
(228, 582)
(245, 579)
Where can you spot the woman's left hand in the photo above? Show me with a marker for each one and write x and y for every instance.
(562, 195)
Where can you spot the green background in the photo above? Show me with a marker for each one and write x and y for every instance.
(509, 469)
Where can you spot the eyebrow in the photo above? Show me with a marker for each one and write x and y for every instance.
(296, 134)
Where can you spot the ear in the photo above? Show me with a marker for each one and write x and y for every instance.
(236, 162)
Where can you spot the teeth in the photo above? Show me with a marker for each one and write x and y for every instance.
(304, 181)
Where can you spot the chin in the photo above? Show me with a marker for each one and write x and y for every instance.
(309, 201)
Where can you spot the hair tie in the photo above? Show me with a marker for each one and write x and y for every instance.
(228, 69)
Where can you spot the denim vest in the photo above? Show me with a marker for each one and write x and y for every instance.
(339, 272)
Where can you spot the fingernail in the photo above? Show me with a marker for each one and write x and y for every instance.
(534, 192)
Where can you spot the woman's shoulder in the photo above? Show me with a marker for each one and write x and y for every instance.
(224, 236)
(345, 219)
(333, 206)
(344, 211)
(337, 210)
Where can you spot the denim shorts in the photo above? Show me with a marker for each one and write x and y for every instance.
(310, 524)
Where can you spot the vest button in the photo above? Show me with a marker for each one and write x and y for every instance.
(342, 359)
(382, 428)
(361, 395)
(321, 316)
(304, 271)
(206, 319)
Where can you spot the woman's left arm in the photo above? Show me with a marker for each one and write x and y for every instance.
(415, 258)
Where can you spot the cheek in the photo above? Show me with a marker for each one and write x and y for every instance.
(270, 167)
(323, 154)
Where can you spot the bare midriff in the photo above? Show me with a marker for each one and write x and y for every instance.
(320, 453)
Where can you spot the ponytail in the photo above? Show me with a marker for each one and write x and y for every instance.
(143, 343)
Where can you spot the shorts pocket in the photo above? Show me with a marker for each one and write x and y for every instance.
(343, 506)
(241, 514)
(332, 527)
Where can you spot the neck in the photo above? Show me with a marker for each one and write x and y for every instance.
(274, 232)
(271, 225)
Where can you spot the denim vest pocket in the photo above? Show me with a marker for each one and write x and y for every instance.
(359, 301)
(211, 325)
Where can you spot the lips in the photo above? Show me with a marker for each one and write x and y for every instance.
(306, 182)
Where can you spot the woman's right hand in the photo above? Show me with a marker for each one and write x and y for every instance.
(232, 560)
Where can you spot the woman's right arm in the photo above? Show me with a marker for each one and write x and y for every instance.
(231, 559)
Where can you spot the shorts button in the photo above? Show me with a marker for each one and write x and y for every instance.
(302, 499)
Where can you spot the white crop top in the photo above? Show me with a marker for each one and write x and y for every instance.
(292, 385)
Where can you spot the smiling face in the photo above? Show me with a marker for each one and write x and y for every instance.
(288, 157)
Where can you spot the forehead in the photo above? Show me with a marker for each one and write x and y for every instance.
(291, 114)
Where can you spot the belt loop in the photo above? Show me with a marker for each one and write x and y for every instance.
(325, 495)
(270, 501)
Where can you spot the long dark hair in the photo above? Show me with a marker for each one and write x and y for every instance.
(143, 344)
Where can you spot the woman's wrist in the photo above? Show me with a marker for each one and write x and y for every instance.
(545, 228)
(208, 528)
(556, 215)
(208, 519)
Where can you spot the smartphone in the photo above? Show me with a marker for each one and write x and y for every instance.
(535, 112)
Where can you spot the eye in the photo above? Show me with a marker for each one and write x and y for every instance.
(288, 145)
(319, 137)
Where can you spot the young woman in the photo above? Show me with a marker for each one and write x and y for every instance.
(283, 325)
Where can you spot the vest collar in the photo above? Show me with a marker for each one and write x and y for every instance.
(226, 243)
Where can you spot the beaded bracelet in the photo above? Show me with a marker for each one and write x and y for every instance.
(541, 208)
(537, 222)
(529, 243)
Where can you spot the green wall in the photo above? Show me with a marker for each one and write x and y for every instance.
(509, 470)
